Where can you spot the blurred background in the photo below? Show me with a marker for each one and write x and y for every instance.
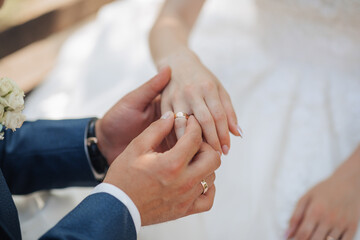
(32, 31)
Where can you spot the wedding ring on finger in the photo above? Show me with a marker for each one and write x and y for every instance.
(205, 186)
(182, 115)
(330, 238)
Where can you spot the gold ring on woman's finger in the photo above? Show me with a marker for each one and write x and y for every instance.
(182, 115)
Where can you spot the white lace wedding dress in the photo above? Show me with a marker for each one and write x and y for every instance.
(292, 68)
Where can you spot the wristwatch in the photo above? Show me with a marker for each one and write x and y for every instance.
(97, 160)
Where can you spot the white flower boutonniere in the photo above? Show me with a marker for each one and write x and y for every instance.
(11, 105)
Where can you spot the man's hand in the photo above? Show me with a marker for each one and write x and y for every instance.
(166, 186)
(130, 116)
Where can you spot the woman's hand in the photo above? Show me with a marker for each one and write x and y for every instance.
(330, 210)
(193, 89)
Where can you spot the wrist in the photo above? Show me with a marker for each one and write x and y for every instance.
(101, 138)
(98, 162)
(180, 57)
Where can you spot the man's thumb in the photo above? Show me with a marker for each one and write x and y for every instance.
(141, 97)
(153, 136)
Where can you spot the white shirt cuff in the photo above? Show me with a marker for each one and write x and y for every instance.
(124, 198)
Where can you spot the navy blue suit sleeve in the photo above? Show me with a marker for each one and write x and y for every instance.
(99, 216)
(44, 155)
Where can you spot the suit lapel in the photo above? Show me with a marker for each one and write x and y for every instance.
(9, 221)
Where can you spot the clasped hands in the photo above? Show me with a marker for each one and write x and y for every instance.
(162, 180)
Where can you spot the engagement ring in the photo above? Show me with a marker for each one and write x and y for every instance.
(182, 115)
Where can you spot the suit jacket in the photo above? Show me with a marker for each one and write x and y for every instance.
(45, 155)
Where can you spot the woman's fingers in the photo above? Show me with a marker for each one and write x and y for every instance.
(321, 232)
(306, 228)
(180, 123)
(349, 234)
(230, 113)
(221, 122)
(335, 233)
(297, 216)
(207, 123)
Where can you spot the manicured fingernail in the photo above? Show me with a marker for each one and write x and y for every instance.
(219, 153)
(167, 115)
(225, 149)
(286, 235)
(240, 131)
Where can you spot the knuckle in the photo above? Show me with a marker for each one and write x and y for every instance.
(187, 186)
(303, 234)
(208, 86)
(171, 173)
(136, 144)
(176, 96)
(175, 168)
(209, 206)
(197, 138)
(189, 90)
(220, 116)
(205, 120)
(353, 225)
(317, 211)
(214, 177)
(332, 218)
(183, 207)
(216, 159)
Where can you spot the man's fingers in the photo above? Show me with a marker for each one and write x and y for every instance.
(153, 136)
(141, 97)
(204, 202)
(209, 180)
(217, 111)
(204, 163)
(188, 145)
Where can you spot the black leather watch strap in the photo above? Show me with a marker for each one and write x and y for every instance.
(98, 161)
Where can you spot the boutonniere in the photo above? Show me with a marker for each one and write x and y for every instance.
(11, 105)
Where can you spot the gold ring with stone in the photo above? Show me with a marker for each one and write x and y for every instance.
(205, 186)
(182, 115)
